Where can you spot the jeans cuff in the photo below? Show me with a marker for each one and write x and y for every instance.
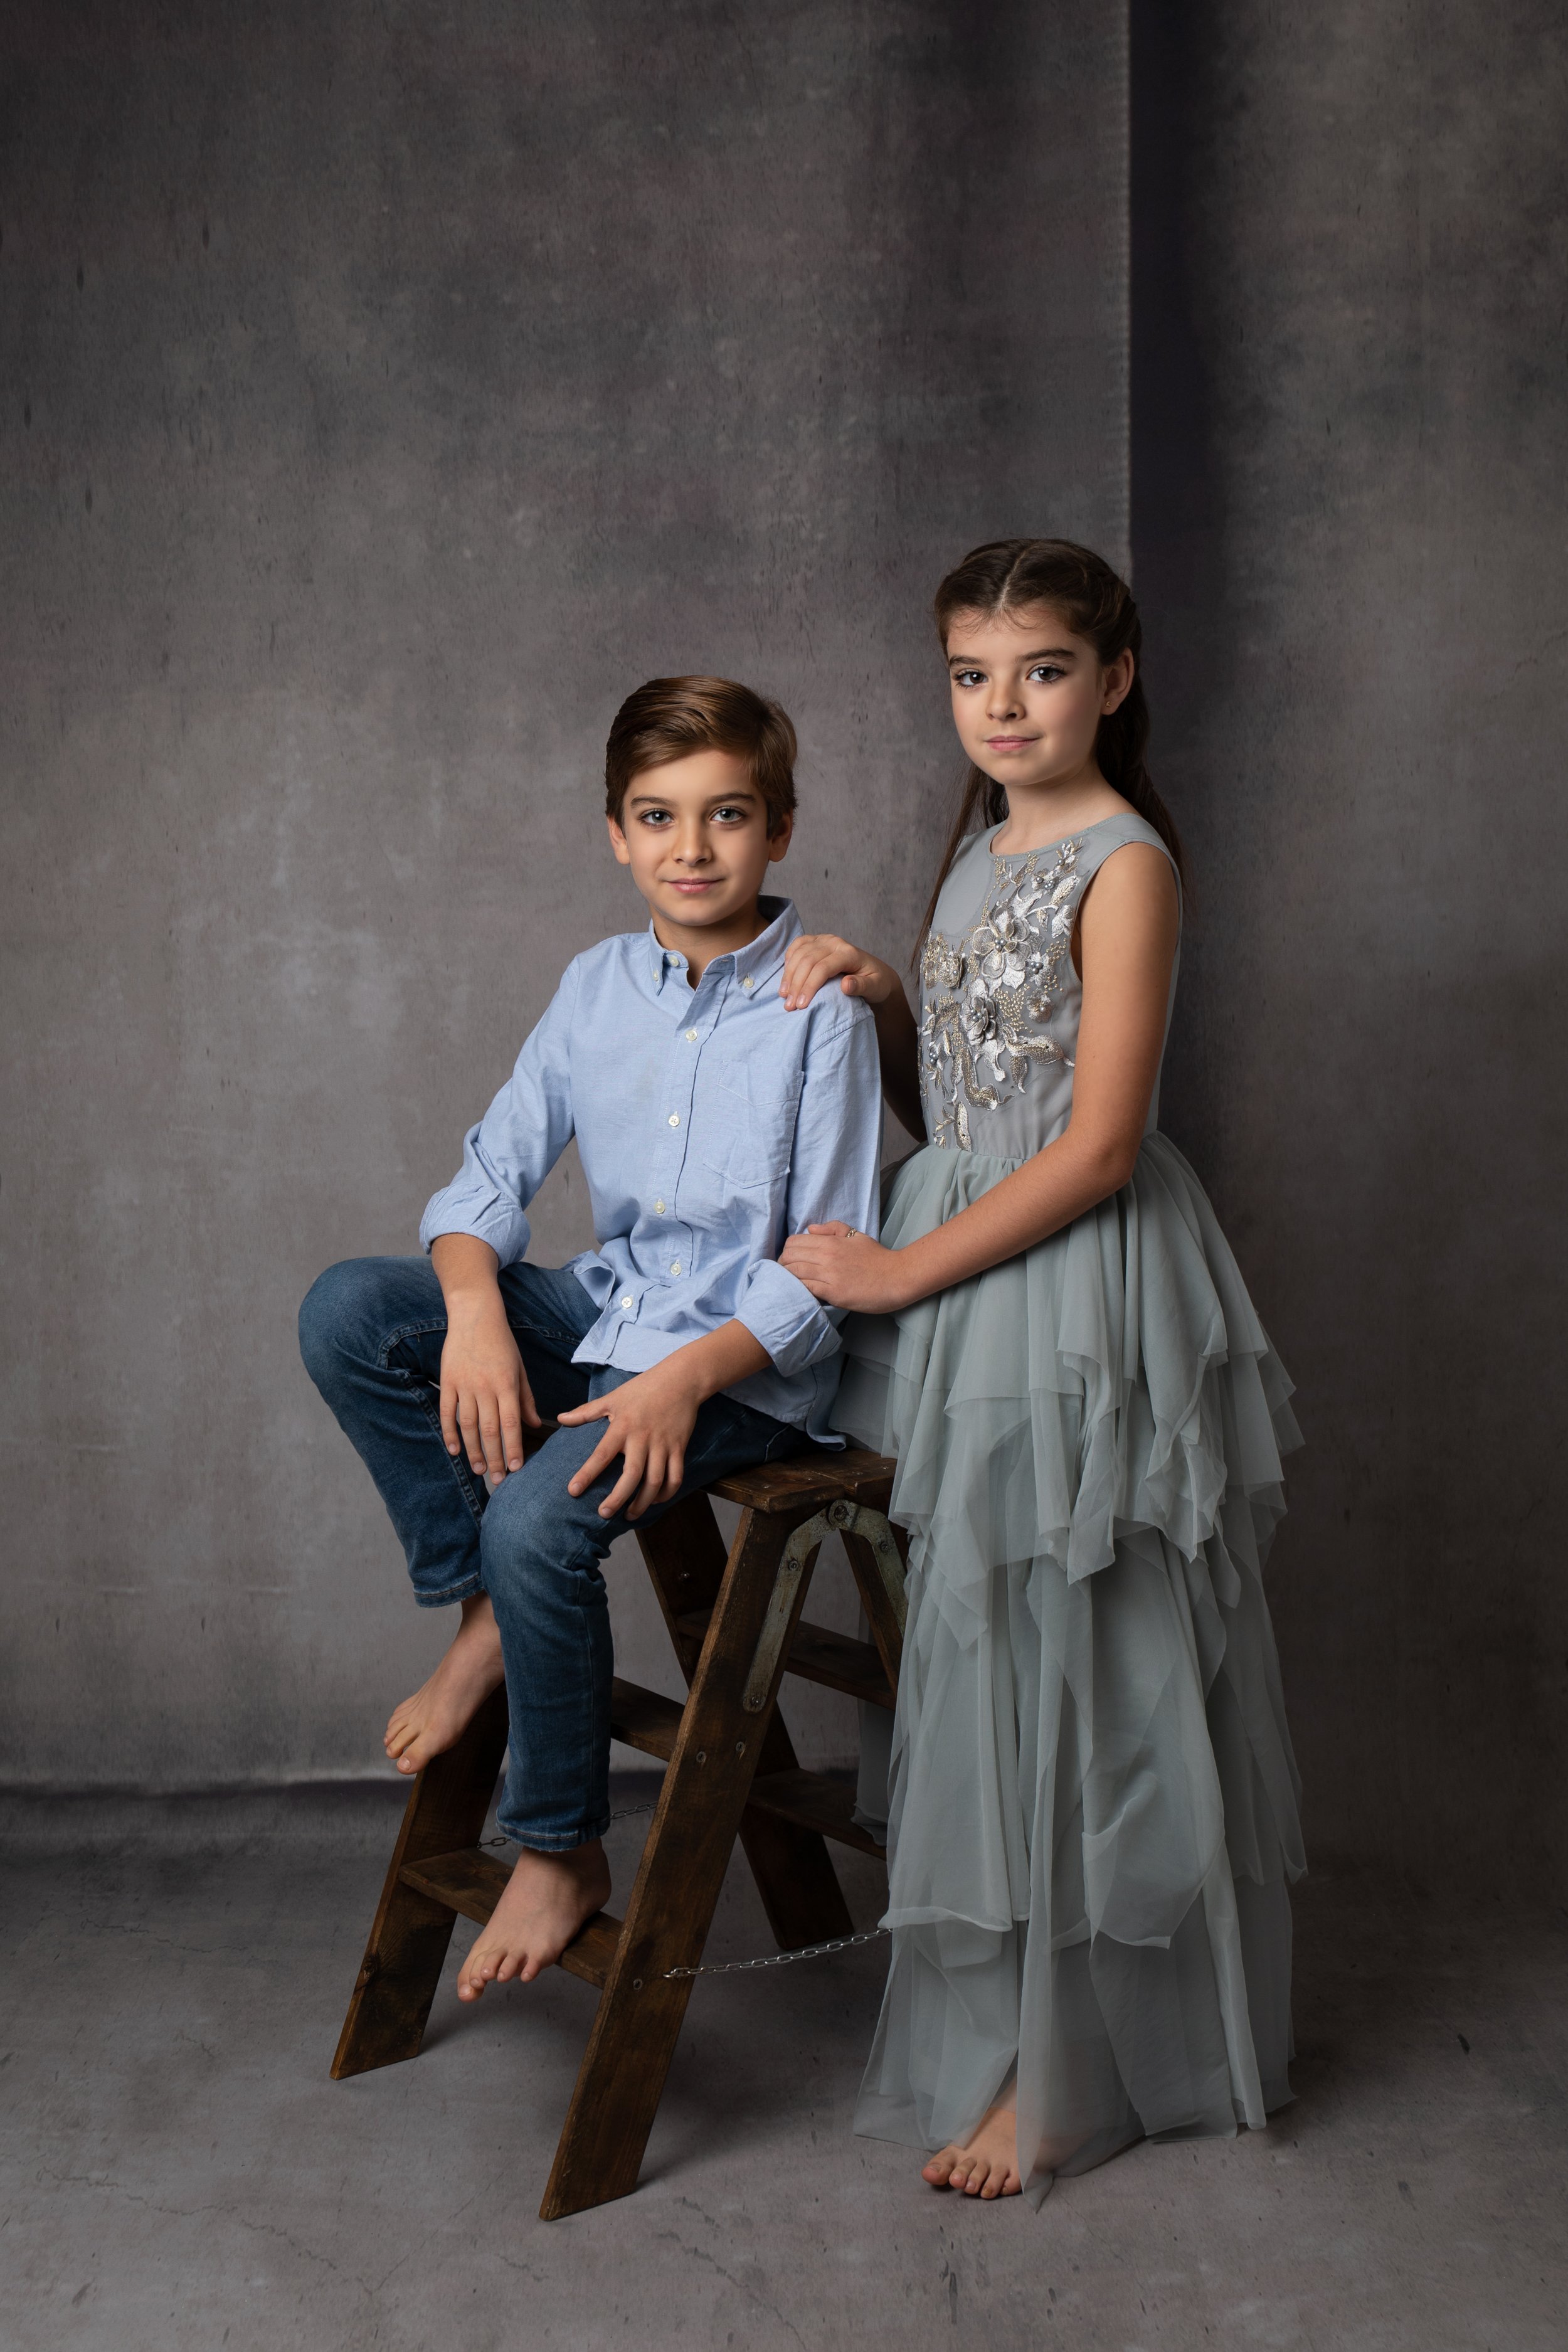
(552, 1841)
(463, 1592)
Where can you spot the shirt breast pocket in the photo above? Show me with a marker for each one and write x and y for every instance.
(746, 1138)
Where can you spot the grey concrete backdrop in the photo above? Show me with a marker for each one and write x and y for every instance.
(384, 390)
(1350, 431)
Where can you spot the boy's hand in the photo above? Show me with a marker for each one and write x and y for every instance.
(485, 1395)
(846, 1269)
(650, 1420)
(814, 960)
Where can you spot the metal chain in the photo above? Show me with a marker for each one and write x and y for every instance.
(779, 1960)
(733, 1968)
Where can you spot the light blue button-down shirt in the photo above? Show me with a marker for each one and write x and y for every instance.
(711, 1124)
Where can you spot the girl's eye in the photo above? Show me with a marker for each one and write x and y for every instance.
(1047, 673)
(969, 678)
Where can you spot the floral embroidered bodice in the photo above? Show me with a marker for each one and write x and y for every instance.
(1000, 999)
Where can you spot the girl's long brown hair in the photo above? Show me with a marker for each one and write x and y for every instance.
(1014, 575)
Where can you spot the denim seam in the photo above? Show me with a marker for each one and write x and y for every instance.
(564, 1841)
(408, 1331)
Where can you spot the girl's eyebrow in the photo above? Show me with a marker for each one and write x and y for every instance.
(1041, 653)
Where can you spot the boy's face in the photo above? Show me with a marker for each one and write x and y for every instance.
(695, 835)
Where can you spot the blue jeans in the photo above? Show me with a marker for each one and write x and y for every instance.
(371, 1332)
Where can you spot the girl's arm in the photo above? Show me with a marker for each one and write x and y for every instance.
(814, 960)
(1127, 943)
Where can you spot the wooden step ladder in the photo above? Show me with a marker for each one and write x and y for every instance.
(735, 1621)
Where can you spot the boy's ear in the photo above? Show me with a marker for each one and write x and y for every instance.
(780, 840)
(618, 843)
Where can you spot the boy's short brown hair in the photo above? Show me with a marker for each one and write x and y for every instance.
(670, 718)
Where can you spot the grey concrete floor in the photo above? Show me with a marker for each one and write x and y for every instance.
(179, 2171)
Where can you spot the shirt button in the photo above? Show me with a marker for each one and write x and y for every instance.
(675, 1119)
(748, 985)
(628, 1299)
(676, 1267)
(658, 1208)
(692, 1036)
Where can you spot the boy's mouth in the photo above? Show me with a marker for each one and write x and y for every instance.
(692, 889)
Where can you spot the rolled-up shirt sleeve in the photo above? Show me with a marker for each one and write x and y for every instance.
(835, 1173)
(508, 1156)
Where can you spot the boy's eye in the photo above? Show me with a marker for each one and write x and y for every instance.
(654, 817)
(731, 816)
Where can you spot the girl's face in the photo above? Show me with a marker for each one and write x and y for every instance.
(1028, 696)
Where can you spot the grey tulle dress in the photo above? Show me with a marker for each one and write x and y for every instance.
(1093, 1802)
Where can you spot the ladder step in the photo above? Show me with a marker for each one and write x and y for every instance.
(472, 1881)
(642, 1719)
(813, 1802)
(809, 1481)
(820, 1656)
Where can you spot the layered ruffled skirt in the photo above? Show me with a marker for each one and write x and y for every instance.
(1092, 1802)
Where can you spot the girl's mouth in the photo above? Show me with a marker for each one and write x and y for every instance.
(1010, 742)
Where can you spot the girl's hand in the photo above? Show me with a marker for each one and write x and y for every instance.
(813, 961)
(650, 1423)
(484, 1396)
(846, 1269)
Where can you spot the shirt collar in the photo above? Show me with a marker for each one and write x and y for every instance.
(760, 960)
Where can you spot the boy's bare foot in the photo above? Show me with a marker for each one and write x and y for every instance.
(986, 2165)
(549, 1897)
(441, 1710)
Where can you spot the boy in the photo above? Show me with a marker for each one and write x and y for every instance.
(711, 1122)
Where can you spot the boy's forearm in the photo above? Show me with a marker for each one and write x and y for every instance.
(720, 1360)
(467, 1269)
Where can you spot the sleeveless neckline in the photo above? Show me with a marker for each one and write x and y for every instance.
(1007, 857)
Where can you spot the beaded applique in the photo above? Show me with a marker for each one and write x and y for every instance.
(988, 995)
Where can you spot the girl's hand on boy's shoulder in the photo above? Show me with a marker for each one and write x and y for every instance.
(844, 1267)
(820, 957)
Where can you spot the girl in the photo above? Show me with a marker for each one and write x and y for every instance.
(1093, 1802)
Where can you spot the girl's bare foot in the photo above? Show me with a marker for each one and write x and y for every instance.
(441, 1710)
(986, 2165)
(548, 1898)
